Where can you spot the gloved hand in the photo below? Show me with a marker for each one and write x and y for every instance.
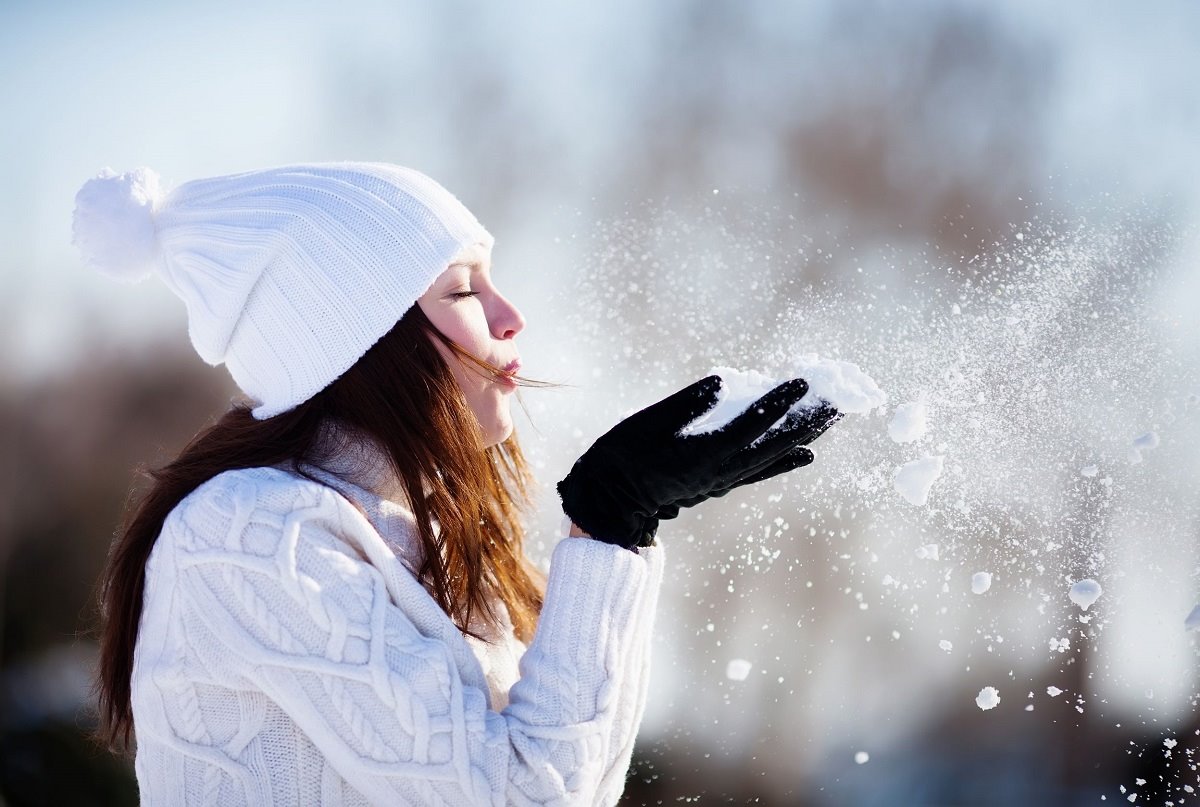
(800, 428)
(643, 469)
(812, 423)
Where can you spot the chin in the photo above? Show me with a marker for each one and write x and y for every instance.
(500, 432)
(495, 420)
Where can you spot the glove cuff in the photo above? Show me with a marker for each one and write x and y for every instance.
(590, 513)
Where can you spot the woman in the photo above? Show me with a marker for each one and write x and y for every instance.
(325, 597)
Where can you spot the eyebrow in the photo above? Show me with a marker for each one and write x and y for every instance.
(473, 264)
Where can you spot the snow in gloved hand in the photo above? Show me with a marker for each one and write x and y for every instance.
(838, 383)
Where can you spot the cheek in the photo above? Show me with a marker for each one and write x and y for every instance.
(469, 331)
(478, 390)
(468, 381)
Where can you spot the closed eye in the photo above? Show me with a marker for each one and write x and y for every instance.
(462, 295)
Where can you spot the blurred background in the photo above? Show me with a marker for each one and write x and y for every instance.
(991, 208)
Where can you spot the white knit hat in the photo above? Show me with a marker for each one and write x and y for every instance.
(289, 274)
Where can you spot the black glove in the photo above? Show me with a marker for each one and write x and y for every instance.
(808, 425)
(643, 467)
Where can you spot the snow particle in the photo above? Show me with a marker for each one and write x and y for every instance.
(841, 383)
(737, 669)
(1089, 471)
(1053, 691)
(928, 552)
(1146, 441)
(1085, 592)
(908, 424)
(981, 582)
(914, 479)
(861, 757)
(988, 698)
(946, 644)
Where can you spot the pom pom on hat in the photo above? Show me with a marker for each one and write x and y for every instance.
(289, 274)
(114, 223)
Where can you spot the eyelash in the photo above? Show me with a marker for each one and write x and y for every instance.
(462, 295)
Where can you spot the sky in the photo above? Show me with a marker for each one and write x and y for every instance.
(202, 89)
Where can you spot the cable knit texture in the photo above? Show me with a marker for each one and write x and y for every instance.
(288, 655)
(289, 274)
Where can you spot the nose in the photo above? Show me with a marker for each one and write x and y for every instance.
(506, 320)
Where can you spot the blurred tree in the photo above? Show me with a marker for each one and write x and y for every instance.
(71, 445)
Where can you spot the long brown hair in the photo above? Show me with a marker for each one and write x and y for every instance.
(402, 394)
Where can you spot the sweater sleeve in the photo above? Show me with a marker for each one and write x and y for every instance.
(294, 610)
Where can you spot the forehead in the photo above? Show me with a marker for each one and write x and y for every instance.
(473, 254)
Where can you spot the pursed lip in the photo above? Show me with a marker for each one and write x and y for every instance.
(508, 375)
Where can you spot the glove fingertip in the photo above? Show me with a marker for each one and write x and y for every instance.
(820, 419)
(710, 386)
(793, 387)
(786, 395)
(757, 419)
(796, 458)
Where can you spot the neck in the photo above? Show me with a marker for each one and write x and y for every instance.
(358, 458)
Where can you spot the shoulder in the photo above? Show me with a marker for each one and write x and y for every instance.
(264, 489)
(269, 483)
(235, 501)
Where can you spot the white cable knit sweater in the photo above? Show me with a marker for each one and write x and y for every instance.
(287, 655)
